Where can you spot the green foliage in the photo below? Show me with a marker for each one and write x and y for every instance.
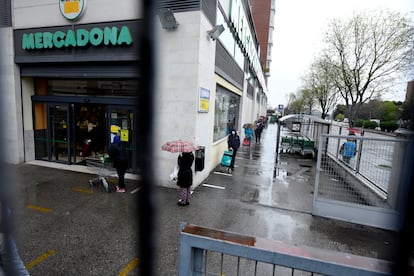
(359, 123)
(340, 109)
(366, 124)
(370, 124)
(388, 111)
(388, 126)
(340, 117)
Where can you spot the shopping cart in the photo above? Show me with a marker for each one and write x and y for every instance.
(105, 170)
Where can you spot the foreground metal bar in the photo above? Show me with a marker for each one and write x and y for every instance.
(195, 238)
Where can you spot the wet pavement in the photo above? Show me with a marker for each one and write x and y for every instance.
(66, 227)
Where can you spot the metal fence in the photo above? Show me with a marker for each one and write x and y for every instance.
(213, 252)
(363, 187)
(372, 160)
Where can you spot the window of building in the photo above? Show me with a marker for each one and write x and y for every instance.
(227, 39)
(108, 87)
(226, 114)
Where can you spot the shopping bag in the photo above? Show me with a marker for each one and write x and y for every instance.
(226, 159)
(174, 174)
(246, 142)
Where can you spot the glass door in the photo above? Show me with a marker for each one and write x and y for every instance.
(121, 122)
(59, 133)
(40, 131)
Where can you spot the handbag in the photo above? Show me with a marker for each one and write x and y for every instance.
(246, 141)
(226, 159)
(174, 174)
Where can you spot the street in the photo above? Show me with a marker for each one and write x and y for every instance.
(66, 227)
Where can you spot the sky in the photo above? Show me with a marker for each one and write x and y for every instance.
(297, 39)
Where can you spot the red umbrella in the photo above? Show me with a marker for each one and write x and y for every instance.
(179, 146)
(354, 130)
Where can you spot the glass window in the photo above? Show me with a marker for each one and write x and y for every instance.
(227, 39)
(226, 114)
(109, 87)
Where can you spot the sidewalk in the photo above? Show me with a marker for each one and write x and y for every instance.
(253, 203)
(96, 230)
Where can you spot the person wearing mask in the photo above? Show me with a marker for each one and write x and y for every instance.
(185, 177)
(233, 143)
(119, 158)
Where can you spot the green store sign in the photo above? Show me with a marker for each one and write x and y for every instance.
(77, 38)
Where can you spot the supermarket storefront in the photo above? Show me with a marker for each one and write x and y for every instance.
(80, 84)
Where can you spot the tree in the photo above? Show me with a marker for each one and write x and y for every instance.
(320, 86)
(339, 110)
(300, 102)
(308, 100)
(367, 53)
(294, 105)
(370, 110)
(389, 111)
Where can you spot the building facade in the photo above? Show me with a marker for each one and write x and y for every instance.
(263, 16)
(70, 78)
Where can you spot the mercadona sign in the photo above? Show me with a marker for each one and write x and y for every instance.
(77, 38)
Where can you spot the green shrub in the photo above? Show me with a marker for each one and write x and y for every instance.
(359, 123)
(388, 126)
(370, 124)
(340, 117)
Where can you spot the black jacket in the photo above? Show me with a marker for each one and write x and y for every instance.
(233, 141)
(118, 155)
(185, 173)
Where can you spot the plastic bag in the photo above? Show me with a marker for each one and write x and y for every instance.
(174, 174)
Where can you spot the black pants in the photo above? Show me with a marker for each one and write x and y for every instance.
(258, 135)
(233, 158)
(121, 170)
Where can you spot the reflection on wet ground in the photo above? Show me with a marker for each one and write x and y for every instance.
(276, 201)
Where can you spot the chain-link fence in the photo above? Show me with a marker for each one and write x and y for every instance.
(358, 174)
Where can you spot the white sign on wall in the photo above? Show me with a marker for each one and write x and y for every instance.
(72, 9)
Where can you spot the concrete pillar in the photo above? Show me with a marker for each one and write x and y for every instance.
(402, 173)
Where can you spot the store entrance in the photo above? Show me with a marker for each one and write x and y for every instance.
(71, 133)
(90, 135)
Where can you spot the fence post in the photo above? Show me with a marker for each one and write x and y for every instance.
(338, 144)
(277, 149)
(358, 163)
(184, 262)
(190, 258)
(198, 261)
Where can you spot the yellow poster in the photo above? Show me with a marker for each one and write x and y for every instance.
(124, 135)
(114, 128)
(204, 105)
(204, 100)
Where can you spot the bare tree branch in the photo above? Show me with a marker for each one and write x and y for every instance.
(367, 53)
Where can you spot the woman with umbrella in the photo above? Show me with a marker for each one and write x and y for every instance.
(185, 173)
(185, 177)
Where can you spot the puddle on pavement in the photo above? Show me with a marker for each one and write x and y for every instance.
(281, 175)
(281, 223)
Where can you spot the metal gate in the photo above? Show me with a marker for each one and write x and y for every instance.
(367, 187)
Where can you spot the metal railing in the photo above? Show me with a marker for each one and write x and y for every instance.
(205, 251)
(368, 187)
(372, 160)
